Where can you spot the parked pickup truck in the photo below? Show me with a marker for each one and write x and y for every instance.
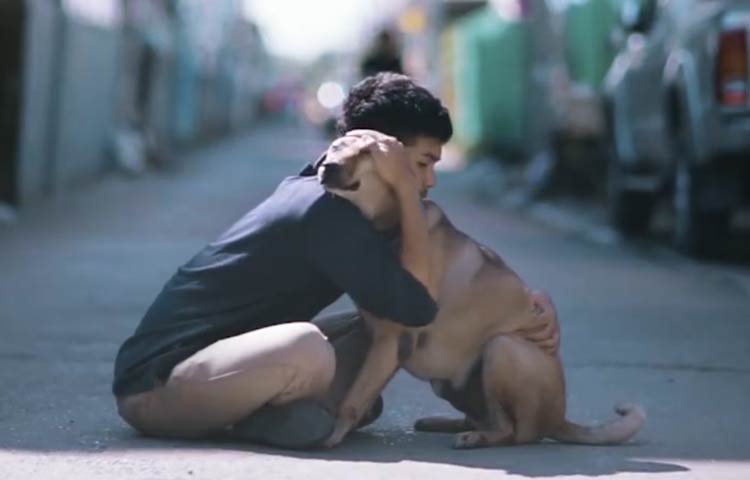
(677, 104)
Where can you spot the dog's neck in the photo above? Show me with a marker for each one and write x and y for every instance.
(386, 220)
(384, 215)
(378, 203)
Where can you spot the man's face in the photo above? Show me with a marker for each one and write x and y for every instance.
(423, 153)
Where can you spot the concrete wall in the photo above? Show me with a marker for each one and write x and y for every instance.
(34, 167)
(78, 86)
(87, 92)
(69, 86)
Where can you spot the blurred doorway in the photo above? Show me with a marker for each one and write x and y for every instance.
(12, 26)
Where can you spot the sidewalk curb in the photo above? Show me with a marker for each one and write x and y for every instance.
(577, 224)
(495, 186)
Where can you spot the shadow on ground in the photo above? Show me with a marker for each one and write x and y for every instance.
(541, 460)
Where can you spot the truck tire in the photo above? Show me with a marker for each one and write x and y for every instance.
(697, 231)
(630, 211)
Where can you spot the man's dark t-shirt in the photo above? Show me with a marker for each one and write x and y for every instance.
(284, 261)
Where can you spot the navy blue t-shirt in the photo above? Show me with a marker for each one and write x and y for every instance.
(284, 261)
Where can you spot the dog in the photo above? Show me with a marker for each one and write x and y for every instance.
(510, 391)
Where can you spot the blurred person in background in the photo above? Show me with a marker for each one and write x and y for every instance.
(384, 55)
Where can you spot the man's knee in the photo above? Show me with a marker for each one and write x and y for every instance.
(339, 324)
(314, 353)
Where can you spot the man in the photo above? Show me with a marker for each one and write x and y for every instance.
(227, 346)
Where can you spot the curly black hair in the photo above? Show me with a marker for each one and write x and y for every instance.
(393, 104)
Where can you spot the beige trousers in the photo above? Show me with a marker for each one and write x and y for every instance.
(230, 379)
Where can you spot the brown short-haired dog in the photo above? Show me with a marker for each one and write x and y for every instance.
(510, 390)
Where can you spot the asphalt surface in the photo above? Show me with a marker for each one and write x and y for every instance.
(78, 272)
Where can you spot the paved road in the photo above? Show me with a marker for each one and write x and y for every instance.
(78, 273)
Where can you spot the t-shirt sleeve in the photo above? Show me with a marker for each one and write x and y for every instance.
(342, 245)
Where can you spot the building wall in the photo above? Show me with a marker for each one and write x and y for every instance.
(69, 80)
(87, 91)
(82, 61)
(34, 167)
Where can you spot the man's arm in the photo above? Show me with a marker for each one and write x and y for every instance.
(341, 244)
(415, 251)
(395, 169)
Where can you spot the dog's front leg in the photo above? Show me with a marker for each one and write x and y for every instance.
(378, 368)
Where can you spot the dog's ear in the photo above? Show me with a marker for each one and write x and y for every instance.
(344, 150)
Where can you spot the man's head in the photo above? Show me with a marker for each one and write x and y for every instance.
(393, 104)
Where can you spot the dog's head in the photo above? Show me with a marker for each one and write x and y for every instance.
(353, 176)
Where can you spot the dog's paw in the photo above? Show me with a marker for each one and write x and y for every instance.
(333, 441)
(342, 427)
(469, 440)
(336, 437)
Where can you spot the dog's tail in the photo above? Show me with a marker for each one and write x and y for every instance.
(616, 431)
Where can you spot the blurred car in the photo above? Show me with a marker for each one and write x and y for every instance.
(677, 104)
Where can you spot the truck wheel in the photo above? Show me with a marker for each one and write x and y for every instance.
(629, 210)
(697, 232)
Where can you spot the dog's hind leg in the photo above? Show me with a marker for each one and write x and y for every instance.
(498, 426)
(442, 425)
(496, 430)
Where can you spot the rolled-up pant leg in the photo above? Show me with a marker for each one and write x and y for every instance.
(228, 380)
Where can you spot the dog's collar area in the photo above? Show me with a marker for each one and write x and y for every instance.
(322, 158)
(352, 187)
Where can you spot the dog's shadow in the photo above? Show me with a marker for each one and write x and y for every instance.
(541, 460)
